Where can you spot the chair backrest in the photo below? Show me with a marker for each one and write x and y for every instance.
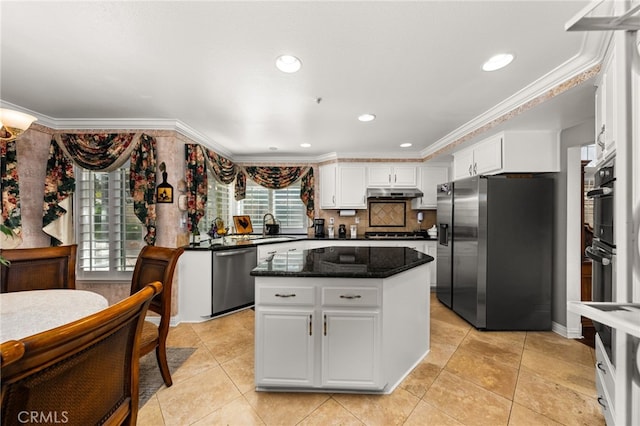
(157, 264)
(82, 373)
(38, 268)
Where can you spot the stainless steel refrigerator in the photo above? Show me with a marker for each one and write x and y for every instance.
(495, 249)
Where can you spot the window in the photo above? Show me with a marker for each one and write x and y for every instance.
(285, 204)
(218, 203)
(108, 233)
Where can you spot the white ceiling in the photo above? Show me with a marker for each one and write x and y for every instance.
(209, 68)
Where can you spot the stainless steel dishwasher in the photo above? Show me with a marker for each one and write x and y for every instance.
(232, 286)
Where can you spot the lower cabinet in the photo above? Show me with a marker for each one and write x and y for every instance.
(285, 347)
(431, 248)
(318, 337)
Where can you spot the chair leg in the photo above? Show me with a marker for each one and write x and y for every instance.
(161, 356)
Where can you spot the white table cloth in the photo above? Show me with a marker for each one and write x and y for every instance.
(24, 313)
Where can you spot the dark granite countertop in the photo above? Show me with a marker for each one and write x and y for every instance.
(234, 242)
(344, 262)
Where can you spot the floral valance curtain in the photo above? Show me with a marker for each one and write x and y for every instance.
(198, 159)
(98, 152)
(10, 193)
(280, 177)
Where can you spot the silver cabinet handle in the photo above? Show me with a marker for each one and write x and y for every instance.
(333, 199)
(395, 178)
(293, 249)
(470, 169)
(286, 295)
(389, 179)
(599, 366)
(310, 325)
(350, 296)
(600, 401)
(324, 326)
(475, 168)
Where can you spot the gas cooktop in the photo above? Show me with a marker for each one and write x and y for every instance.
(395, 235)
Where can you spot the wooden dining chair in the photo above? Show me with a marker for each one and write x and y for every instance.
(157, 264)
(38, 268)
(82, 373)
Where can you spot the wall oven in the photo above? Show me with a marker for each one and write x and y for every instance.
(602, 251)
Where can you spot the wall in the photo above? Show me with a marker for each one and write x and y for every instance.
(576, 136)
(390, 216)
(33, 151)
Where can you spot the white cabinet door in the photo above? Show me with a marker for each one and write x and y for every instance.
(328, 185)
(391, 176)
(432, 250)
(194, 275)
(463, 164)
(352, 187)
(606, 135)
(351, 349)
(285, 349)
(429, 178)
(405, 176)
(487, 156)
(379, 175)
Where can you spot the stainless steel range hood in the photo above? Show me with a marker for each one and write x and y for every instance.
(394, 193)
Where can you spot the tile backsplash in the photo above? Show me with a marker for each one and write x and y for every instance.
(385, 217)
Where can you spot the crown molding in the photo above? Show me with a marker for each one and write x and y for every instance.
(121, 124)
(565, 76)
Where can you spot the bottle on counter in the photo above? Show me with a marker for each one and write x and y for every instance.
(195, 236)
(342, 231)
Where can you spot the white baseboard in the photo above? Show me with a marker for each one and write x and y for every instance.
(175, 320)
(564, 332)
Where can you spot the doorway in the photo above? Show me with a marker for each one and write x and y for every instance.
(587, 161)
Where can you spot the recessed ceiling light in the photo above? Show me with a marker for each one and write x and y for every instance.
(405, 145)
(498, 61)
(305, 145)
(288, 63)
(367, 117)
(273, 148)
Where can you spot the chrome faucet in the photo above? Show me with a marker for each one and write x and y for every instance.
(264, 223)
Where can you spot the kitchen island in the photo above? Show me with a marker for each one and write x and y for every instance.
(340, 319)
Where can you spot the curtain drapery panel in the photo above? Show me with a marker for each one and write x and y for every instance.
(273, 177)
(10, 192)
(197, 160)
(100, 152)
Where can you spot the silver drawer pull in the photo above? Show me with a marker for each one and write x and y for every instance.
(350, 296)
(600, 367)
(602, 402)
(286, 295)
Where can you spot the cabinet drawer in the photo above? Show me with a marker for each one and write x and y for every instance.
(605, 369)
(285, 296)
(605, 401)
(351, 296)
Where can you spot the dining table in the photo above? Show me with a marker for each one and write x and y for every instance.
(25, 313)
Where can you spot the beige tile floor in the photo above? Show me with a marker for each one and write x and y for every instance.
(468, 378)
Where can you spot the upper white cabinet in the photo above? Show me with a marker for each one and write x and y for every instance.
(428, 179)
(509, 152)
(606, 90)
(343, 186)
(328, 186)
(385, 175)
(352, 187)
